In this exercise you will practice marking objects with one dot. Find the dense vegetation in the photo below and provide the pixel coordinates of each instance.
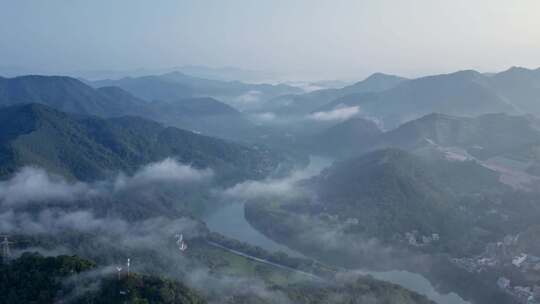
(391, 192)
(33, 278)
(89, 148)
(141, 289)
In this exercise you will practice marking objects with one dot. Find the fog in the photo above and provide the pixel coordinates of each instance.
(32, 184)
(338, 114)
(166, 171)
(45, 191)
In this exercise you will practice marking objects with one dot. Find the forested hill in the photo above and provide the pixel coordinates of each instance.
(88, 148)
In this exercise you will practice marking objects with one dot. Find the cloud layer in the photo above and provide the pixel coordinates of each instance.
(337, 114)
(276, 187)
(166, 171)
(32, 184)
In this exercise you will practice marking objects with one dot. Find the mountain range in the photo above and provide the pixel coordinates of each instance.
(205, 115)
(305, 103)
(428, 171)
(483, 137)
(465, 93)
(69, 95)
(175, 85)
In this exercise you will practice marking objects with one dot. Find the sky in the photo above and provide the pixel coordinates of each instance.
(317, 39)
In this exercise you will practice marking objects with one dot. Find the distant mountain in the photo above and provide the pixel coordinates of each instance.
(89, 148)
(305, 103)
(218, 73)
(203, 115)
(466, 93)
(377, 82)
(226, 73)
(519, 86)
(149, 88)
(199, 106)
(14, 71)
(175, 85)
(489, 139)
(483, 137)
(68, 95)
(345, 138)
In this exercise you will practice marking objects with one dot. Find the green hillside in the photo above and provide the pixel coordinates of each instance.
(88, 148)
(33, 278)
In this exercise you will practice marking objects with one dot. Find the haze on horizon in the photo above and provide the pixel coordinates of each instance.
(313, 39)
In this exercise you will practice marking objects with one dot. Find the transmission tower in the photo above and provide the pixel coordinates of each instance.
(6, 251)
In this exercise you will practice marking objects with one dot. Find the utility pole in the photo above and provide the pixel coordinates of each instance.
(128, 264)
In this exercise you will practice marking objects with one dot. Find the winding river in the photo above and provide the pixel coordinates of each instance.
(229, 220)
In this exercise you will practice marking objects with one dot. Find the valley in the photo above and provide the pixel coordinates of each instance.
(269, 152)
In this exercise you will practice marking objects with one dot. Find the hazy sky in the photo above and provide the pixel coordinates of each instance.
(319, 38)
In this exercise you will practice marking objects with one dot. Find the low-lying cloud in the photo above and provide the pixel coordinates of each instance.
(266, 188)
(338, 114)
(264, 117)
(35, 184)
(276, 187)
(250, 100)
(32, 184)
(35, 202)
(52, 221)
(166, 171)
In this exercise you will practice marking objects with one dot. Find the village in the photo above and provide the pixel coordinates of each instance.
(519, 271)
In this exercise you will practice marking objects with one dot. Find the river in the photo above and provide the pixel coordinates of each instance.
(229, 220)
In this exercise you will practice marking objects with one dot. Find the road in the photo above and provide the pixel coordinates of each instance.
(266, 262)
